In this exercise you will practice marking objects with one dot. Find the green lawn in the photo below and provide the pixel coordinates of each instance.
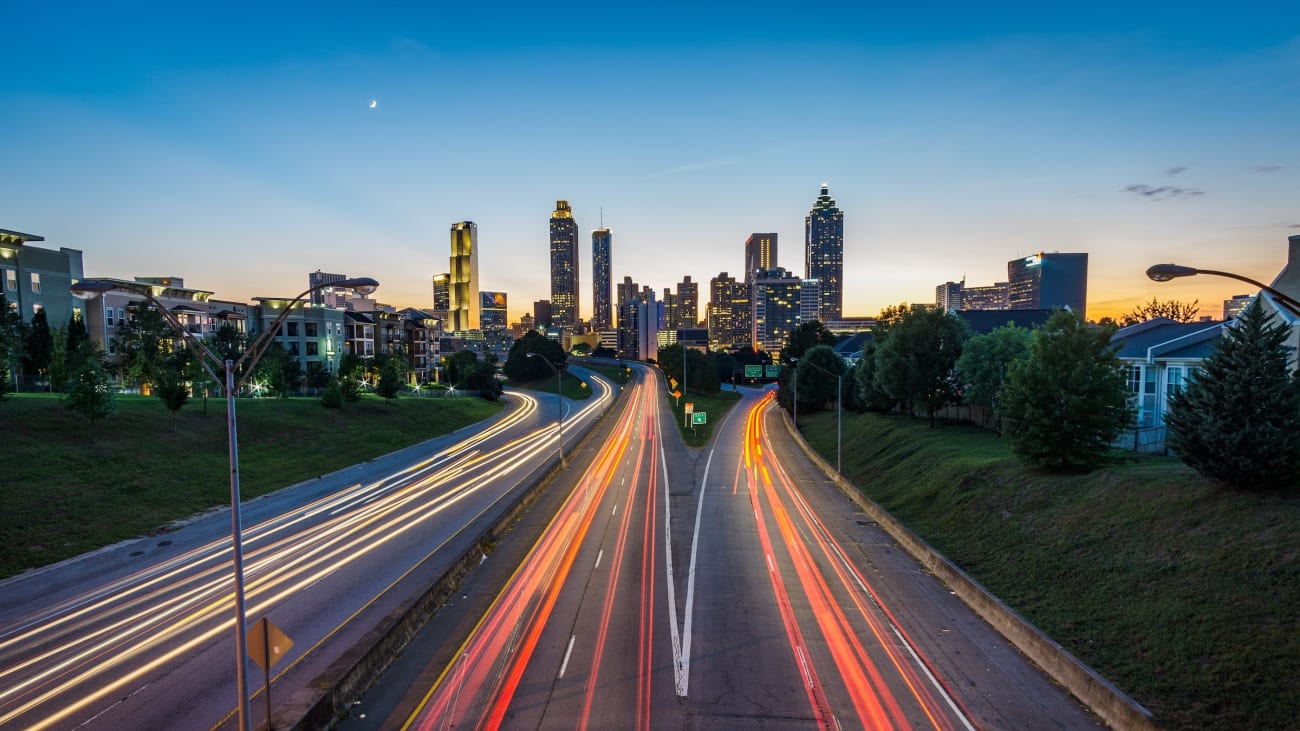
(64, 495)
(1184, 594)
(571, 386)
(715, 407)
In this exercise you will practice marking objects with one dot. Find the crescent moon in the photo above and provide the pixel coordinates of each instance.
(373, 103)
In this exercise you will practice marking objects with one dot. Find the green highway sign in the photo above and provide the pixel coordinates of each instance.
(773, 371)
(699, 417)
(753, 371)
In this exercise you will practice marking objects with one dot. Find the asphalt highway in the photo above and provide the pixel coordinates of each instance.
(732, 587)
(140, 635)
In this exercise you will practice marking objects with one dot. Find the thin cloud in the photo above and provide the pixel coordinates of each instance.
(691, 167)
(1162, 192)
(1268, 168)
(1175, 170)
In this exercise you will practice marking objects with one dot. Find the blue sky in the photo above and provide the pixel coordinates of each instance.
(234, 145)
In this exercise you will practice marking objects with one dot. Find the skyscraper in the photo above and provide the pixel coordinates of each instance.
(602, 314)
(824, 254)
(760, 254)
(492, 311)
(722, 291)
(442, 297)
(1048, 281)
(564, 267)
(463, 289)
(776, 308)
(688, 304)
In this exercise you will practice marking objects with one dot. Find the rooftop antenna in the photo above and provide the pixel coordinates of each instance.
(602, 217)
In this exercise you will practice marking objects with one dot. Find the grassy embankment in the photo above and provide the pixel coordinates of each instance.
(571, 387)
(63, 495)
(1184, 594)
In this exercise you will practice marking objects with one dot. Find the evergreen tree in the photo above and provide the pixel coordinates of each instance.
(38, 345)
(318, 376)
(390, 380)
(91, 392)
(170, 386)
(333, 397)
(11, 346)
(59, 370)
(1238, 419)
(1066, 403)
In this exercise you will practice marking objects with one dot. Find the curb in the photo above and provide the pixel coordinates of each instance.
(1098, 694)
(329, 695)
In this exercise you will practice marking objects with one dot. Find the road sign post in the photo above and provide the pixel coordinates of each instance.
(267, 645)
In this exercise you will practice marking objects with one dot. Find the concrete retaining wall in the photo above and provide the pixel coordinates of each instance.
(1107, 701)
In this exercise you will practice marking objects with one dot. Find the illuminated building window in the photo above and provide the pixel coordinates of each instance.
(36, 283)
(11, 279)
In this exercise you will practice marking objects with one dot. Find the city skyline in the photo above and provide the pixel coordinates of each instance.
(240, 155)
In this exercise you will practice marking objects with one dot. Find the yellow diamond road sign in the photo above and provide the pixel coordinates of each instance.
(267, 645)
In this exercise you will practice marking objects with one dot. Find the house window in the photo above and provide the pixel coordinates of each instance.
(312, 348)
(11, 279)
(108, 316)
(309, 329)
(1175, 379)
(1142, 383)
(36, 283)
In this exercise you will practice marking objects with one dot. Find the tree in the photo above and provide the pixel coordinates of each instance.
(11, 346)
(1172, 309)
(390, 380)
(484, 379)
(333, 397)
(145, 341)
(76, 333)
(1238, 419)
(816, 389)
(58, 369)
(318, 376)
(701, 372)
(38, 345)
(1066, 403)
(867, 390)
(984, 360)
(170, 385)
(521, 368)
(915, 362)
(91, 392)
(807, 335)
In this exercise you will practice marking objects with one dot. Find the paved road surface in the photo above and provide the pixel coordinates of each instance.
(140, 635)
(729, 588)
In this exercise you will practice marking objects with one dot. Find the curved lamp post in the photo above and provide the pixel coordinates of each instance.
(559, 401)
(839, 406)
(1166, 272)
(89, 289)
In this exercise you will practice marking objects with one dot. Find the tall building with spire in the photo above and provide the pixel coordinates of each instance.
(602, 313)
(824, 254)
(462, 290)
(564, 267)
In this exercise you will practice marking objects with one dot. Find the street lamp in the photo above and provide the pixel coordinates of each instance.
(559, 402)
(89, 289)
(839, 407)
(1166, 272)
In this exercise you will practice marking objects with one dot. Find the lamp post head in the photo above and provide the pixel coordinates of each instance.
(1166, 272)
(89, 289)
(361, 285)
